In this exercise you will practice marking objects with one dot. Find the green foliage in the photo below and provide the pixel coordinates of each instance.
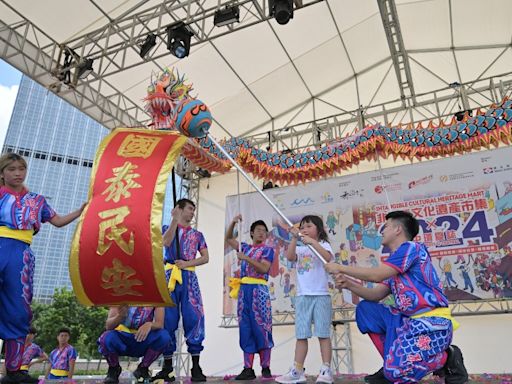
(86, 324)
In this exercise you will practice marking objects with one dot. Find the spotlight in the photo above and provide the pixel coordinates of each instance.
(226, 16)
(460, 115)
(84, 68)
(149, 43)
(281, 10)
(203, 172)
(269, 185)
(178, 39)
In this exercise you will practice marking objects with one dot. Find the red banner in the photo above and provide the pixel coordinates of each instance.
(116, 254)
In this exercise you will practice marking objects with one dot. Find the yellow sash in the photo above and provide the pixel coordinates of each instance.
(235, 282)
(439, 312)
(24, 235)
(176, 276)
(24, 368)
(124, 328)
(59, 372)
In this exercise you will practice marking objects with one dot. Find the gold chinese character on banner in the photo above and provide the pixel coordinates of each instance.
(111, 229)
(118, 278)
(122, 182)
(138, 146)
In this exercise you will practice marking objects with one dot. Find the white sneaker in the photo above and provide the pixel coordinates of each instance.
(325, 375)
(293, 376)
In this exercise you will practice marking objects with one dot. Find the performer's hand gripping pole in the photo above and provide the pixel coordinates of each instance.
(256, 187)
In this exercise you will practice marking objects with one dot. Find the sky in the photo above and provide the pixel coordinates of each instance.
(9, 84)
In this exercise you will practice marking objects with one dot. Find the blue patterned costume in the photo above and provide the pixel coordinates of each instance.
(59, 360)
(187, 295)
(412, 344)
(254, 309)
(121, 341)
(21, 215)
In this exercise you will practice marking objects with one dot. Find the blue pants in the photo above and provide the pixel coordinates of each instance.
(187, 297)
(124, 343)
(254, 318)
(412, 348)
(16, 283)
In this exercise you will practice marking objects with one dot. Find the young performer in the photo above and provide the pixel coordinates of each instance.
(135, 332)
(32, 351)
(62, 359)
(21, 215)
(313, 302)
(184, 287)
(414, 336)
(254, 309)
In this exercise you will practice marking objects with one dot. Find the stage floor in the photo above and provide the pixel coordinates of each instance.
(340, 379)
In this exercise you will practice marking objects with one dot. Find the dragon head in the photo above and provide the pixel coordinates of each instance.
(164, 94)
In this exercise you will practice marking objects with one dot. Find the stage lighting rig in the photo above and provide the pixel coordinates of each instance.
(178, 39)
(281, 10)
(226, 16)
(147, 45)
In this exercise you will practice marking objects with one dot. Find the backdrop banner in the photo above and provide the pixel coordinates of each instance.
(116, 254)
(464, 205)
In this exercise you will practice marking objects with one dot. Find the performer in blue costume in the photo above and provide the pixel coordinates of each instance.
(32, 351)
(21, 215)
(414, 336)
(184, 287)
(135, 332)
(254, 309)
(62, 359)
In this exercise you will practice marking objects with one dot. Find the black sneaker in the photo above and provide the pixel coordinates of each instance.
(197, 374)
(18, 377)
(454, 370)
(246, 374)
(377, 378)
(265, 373)
(166, 374)
(112, 375)
(141, 374)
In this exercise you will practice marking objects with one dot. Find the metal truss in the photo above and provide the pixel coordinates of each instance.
(347, 314)
(99, 99)
(341, 347)
(342, 317)
(112, 43)
(181, 357)
(441, 104)
(115, 48)
(399, 55)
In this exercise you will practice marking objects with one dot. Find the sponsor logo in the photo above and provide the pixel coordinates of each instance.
(423, 180)
(388, 188)
(344, 184)
(384, 177)
(352, 193)
(497, 169)
(456, 176)
(302, 202)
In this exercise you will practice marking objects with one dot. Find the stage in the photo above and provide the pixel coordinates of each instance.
(505, 378)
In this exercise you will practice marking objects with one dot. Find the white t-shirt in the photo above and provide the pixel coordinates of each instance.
(312, 279)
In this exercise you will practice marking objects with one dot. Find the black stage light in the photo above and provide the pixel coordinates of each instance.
(281, 10)
(203, 172)
(147, 45)
(84, 68)
(226, 16)
(178, 39)
(460, 115)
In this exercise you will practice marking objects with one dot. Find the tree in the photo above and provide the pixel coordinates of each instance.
(86, 324)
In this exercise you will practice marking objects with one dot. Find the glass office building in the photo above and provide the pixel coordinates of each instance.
(59, 143)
